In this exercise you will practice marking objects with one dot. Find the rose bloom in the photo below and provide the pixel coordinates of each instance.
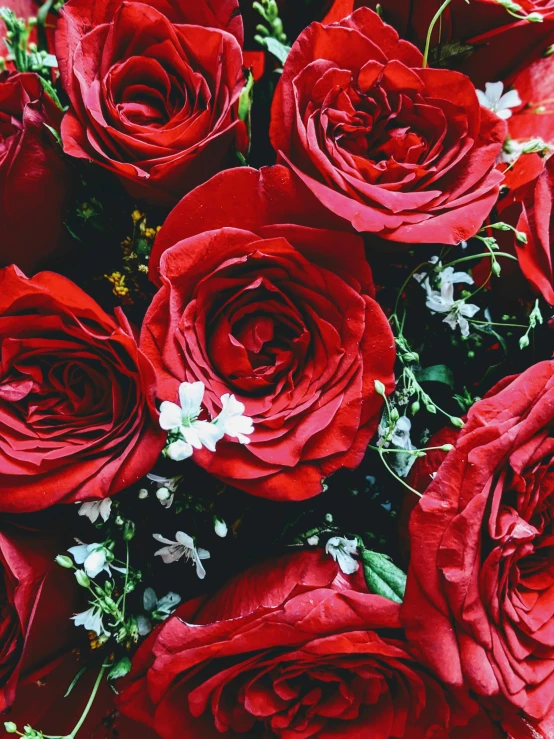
(34, 179)
(36, 602)
(154, 90)
(482, 40)
(77, 413)
(399, 151)
(479, 603)
(282, 316)
(292, 648)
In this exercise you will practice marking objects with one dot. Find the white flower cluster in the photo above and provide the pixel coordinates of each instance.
(442, 300)
(187, 432)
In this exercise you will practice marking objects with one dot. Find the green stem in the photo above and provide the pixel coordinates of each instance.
(480, 256)
(400, 480)
(436, 17)
(502, 325)
(89, 704)
(126, 578)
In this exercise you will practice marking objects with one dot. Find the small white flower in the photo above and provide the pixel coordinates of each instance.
(313, 541)
(184, 419)
(499, 103)
(184, 546)
(401, 440)
(220, 527)
(143, 494)
(342, 551)
(165, 497)
(443, 302)
(93, 557)
(95, 509)
(231, 420)
(91, 620)
(173, 416)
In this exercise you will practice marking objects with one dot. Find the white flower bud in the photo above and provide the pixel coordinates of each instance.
(313, 541)
(162, 494)
(220, 527)
(143, 494)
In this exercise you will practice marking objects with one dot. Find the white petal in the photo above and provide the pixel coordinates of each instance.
(91, 510)
(190, 397)
(184, 540)
(79, 553)
(493, 91)
(95, 563)
(168, 603)
(510, 99)
(191, 436)
(203, 553)
(469, 309)
(464, 326)
(483, 100)
(452, 320)
(200, 571)
(347, 563)
(105, 508)
(208, 434)
(162, 539)
(170, 554)
(170, 416)
(179, 450)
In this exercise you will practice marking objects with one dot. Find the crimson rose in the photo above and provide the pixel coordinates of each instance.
(290, 649)
(36, 602)
(77, 414)
(154, 90)
(34, 179)
(481, 39)
(399, 151)
(479, 601)
(282, 316)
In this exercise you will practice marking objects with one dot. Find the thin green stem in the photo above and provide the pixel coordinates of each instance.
(502, 325)
(436, 17)
(89, 704)
(480, 256)
(400, 480)
(126, 578)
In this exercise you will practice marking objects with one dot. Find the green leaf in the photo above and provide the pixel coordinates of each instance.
(382, 576)
(55, 134)
(277, 49)
(49, 88)
(436, 373)
(120, 669)
(450, 53)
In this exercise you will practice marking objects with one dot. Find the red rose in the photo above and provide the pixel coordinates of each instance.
(399, 151)
(77, 415)
(154, 90)
(36, 601)
(480, 39)
(292, 649)
(34, 179)
(479, 601)
(282, 316)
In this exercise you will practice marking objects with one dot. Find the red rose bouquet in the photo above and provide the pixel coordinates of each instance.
(276, 369)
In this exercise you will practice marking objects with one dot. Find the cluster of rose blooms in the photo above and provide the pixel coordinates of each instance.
(266, 358)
